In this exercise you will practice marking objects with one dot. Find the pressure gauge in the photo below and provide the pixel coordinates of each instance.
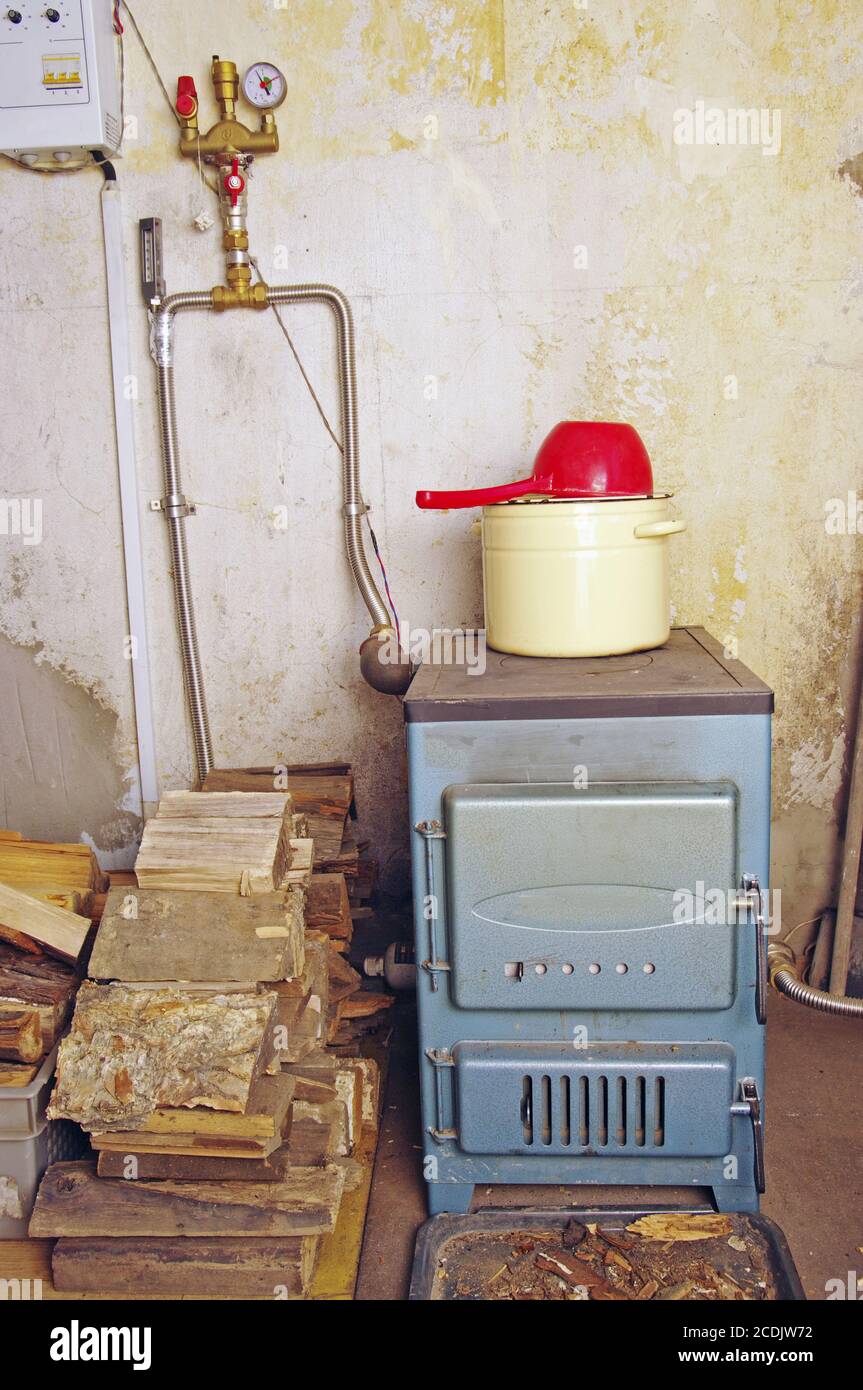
(264, 86)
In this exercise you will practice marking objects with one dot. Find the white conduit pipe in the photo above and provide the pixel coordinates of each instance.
(123, 380)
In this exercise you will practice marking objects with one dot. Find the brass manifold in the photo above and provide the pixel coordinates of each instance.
(230, 146)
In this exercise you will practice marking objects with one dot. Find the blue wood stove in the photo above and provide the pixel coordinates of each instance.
(590, 858)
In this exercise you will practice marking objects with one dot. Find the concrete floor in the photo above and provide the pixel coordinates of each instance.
(814, 1135)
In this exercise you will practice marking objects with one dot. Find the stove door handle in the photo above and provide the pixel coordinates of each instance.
(750, 1104)
(755, 899)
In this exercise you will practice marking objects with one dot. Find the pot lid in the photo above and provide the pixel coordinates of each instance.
(579, 458)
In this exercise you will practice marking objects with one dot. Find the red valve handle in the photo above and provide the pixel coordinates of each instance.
(234, 183)
(187, 97)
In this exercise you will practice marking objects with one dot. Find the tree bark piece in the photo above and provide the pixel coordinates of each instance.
(207, 1266)
(72, 1201)
(131, 1050)
(149, 934)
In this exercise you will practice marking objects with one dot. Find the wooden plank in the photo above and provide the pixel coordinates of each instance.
(131, 1050)
(264, 1117)
(183, 805)
(220, 855)
(72, 1201)
(25, 862)
(60, 932)
(325, 789)
(201, 1145)
(197, 1167)
(154, 934)
(20, 1036)
(204, 1266)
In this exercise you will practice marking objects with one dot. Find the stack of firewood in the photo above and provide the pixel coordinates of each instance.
(48, 894)
(196, 1062)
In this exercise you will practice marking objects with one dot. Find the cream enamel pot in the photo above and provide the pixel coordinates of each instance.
(582, 578)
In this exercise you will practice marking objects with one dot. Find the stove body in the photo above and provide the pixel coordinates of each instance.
(589, 838)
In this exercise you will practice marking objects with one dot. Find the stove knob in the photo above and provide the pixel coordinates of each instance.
(52, 16)
(13, 16)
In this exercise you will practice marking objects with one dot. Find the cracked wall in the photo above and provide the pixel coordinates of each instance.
(498, 189)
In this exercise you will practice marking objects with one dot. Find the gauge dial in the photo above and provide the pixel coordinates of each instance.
(264, 86)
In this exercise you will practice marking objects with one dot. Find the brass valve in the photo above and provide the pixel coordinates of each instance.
(228, 137)
(231, 146)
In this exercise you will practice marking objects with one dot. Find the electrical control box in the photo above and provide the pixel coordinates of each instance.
(60, 91)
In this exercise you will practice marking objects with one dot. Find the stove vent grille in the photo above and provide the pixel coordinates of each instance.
(577, 1111)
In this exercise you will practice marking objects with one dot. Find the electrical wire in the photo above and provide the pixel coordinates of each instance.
(151, 60)
(333, 436)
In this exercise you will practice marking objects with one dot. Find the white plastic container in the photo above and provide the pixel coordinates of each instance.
(22, 1108)
(584, 578)
(28, 1143)
(23, 1162)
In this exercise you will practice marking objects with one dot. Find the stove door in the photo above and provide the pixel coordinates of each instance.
(644, 1099)
(612, 897)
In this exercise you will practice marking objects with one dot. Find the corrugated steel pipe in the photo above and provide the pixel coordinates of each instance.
(175, 507)
(382, 663)
(384, 667)
(785, 976)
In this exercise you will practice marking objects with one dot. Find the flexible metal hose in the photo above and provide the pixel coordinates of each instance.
(785, 976)
(354, 507)
(175, 512)
(175, 506)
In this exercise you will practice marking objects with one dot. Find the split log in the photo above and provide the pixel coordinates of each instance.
(196, 1167)
(128, 1142)
(328, 907)
(208, 1267)
(153, 934)
(72, 1201)
(17, 1074)
(20, 1036)
(131, 1050)
(192, 805)
(300, 870)
(24, 863)
(228, 854)
(60, 932)
(264, 1117)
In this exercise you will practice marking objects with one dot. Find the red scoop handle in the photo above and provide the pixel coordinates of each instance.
(481, 496)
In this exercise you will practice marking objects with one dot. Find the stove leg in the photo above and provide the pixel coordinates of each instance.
(449, 1196)
(732, 1196)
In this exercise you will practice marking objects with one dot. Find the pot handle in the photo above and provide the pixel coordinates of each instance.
(651, 529)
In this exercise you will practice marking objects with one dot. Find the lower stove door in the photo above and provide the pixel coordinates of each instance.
(624, 1099)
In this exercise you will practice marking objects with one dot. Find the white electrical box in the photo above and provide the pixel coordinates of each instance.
(59, 82)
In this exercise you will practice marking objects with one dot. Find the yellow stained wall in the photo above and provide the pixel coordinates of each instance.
(499, 189)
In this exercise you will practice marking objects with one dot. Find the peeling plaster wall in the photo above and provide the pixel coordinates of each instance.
(498, 189)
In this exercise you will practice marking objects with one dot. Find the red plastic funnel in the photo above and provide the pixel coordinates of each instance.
(580, 458)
